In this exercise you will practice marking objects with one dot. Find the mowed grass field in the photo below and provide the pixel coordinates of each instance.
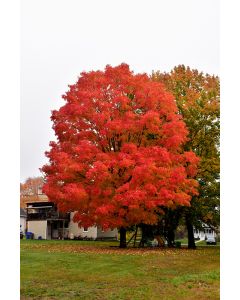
(95, 270)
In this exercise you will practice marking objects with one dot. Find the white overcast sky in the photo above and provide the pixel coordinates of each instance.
(60, 39)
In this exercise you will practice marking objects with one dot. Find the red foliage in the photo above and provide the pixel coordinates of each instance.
(119, 159)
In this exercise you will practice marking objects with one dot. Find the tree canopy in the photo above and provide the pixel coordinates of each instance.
(198, 99)
(119, 156)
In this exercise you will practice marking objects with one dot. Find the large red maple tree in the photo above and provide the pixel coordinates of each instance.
(118, 159)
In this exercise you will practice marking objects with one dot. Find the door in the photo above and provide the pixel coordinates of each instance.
(49, 231)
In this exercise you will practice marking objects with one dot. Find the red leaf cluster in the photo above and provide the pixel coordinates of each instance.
(119, 157)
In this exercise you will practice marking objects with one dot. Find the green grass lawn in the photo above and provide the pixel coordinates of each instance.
(94, 270)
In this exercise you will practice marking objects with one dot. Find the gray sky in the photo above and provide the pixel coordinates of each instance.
(60, 39)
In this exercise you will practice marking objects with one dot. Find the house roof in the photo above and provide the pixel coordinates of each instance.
(39, 204)
(22, 212)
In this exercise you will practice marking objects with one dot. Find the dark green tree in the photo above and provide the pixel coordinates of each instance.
(198, 99)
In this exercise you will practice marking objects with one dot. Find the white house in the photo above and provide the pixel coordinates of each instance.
(205, 233)
(45, 222)
(23, 220)
(90, 232)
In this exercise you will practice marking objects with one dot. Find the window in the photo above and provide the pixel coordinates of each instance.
(85, 229)
(66, 225)
(55, 225)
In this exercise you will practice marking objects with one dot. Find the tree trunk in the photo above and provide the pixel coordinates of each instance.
(191, 241)
(170, 238)
(147, 234)
(123, 240)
